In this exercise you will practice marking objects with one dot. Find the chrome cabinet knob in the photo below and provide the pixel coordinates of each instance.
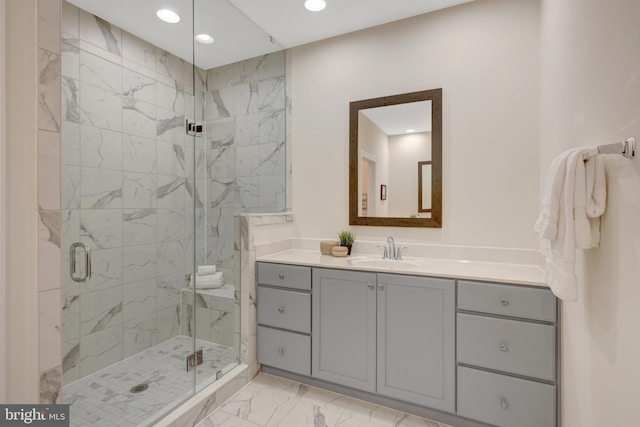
(281, 276)
(280, 310)
(371, 286)
(281, 351)
(504, 403)
(381, 287)
(504, 301)
(504, 347)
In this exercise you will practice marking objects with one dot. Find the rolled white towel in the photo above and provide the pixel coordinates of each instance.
(211, 281)
(204, 270)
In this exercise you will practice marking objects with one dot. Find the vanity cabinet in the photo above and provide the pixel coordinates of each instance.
(344, 328)
(284, 317)
(387, 334)
(506, 338)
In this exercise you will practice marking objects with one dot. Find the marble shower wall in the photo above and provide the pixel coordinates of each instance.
(127, 190)
(246, 107)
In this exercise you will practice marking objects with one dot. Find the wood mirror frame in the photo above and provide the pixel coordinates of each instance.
(433, 95)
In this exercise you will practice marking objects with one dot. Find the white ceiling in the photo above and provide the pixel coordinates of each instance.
(396, 119)
(244, 29)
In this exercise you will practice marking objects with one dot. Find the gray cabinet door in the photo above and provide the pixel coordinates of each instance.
(343, 338)
(416, 340)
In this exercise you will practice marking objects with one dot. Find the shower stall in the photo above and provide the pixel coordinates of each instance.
(161, 152)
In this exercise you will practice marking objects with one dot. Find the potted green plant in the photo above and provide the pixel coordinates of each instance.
(347, 238)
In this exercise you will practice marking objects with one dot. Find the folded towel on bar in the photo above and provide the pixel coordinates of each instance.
(204, 270)
(574, 199)
(211, 281)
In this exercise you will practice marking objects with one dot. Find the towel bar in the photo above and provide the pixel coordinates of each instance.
(627, 148)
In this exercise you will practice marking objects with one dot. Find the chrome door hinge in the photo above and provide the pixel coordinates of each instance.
(194, 128)
(194, 359)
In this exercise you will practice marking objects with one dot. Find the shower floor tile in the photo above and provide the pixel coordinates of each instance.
(104, 398)
(270, 401)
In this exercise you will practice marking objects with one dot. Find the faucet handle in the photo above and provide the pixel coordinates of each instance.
(399, 251)
(385, 254)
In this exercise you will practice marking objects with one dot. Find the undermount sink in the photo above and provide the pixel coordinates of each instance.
(390, 264)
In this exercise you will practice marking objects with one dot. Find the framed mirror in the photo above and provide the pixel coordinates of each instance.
(395, 160)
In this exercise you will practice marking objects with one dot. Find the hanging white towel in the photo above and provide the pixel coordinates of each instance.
(574, 199)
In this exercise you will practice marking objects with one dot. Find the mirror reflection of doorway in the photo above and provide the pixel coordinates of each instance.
(368, 204)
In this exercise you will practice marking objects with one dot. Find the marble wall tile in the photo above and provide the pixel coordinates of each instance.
(51, 386)
(71, 360)
(49, 253)
(220, 103)
(70, 20)
(100, 310)
(140, 263)
(100, 107)
(171, 224)
(220, 222)
(171, 159)
(140, 334)
(106, 267)
(139, 190)
(170, 126)
(272, 126)
(138, 118)
(221, 193)
(168, 323)
(49, 162)
(245, 98)
(49, 329)
(100, 33)
(248, 191)
(138, 227)
(247, 129)
(139, 154)
(70, 232)
(70, 183)
(100, 349)
(49, 25)
(139, 51)
(171, 192)
(272, 193)
(71, 318)
(221, 163)
(139, 300)
(101, 148)
(169, 290)
(100, 188)
(171, 257)
(49, 109)
(138, 86)
(272, 159)
(101, 228)
(272, 65)
(170, 69)
(170, 98)
(70, 150)
(271, 94)
(70, 99)
(101, 73)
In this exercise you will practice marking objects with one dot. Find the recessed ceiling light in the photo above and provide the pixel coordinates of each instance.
(315, 5)
(204, 39)
(410, 130)
(168, 16)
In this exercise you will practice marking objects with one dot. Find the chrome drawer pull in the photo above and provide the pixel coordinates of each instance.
(281, 276)
(380, 287)
(504, 301)
(504, 347)
(504, 403)
(281, 351)
(281, 310)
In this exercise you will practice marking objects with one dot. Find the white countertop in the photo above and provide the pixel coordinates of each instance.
(524, 274)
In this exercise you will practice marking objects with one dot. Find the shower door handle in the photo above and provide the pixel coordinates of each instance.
(73, 264)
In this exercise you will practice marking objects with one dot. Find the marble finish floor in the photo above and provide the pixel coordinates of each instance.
(270, 401)
(103, 399)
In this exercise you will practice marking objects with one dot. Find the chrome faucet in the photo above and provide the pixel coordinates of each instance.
(391, 244)
(391, 251)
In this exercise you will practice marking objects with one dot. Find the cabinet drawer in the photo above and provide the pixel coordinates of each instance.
(284, 309)
(286, 276)
(505, 401)
(512, 346)
(517, 301)
(284, 350)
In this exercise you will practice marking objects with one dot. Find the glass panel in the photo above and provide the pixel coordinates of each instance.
(129, 194)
